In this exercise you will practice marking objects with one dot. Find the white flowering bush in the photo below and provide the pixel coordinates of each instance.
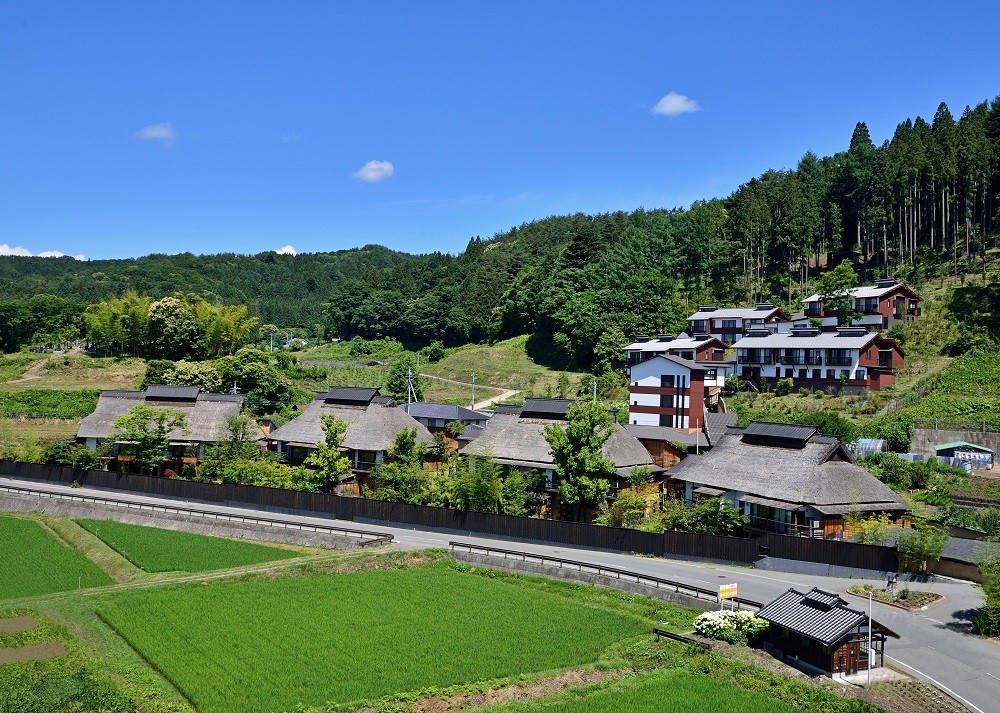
(736, 627)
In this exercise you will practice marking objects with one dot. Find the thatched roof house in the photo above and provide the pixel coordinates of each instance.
(787, 478)
(206, 414)
(373, 423)
(515, 436)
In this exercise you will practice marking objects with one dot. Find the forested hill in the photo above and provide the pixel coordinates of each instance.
(923, 203)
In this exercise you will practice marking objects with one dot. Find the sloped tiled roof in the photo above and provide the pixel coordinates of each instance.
(820, 615)
(371, 427)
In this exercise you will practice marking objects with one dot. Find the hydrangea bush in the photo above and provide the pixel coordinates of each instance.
(736, 627)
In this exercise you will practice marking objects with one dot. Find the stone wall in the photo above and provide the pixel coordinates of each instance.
(598, 580)
(15, 502)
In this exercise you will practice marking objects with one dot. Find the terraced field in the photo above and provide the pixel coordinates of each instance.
(157, 550)
(33, 562)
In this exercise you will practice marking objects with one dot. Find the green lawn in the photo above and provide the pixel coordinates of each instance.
(32, 562)
(355, 637)
(156, 550)
(670, 691)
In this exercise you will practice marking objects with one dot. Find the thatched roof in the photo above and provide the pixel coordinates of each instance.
(521, 441)
(206, 414)
(371, 427)
(821, 473)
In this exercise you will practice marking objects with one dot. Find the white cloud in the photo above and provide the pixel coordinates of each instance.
(19, 251)
(673, 104)
(288, 138)
(287, 250)
(374, 171)
(164, 133)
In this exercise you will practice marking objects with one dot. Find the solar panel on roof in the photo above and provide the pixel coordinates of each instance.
(350, 395)
(784, 431)
(545, 408)
(172, 393)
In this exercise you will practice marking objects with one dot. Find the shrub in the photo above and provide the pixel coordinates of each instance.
(735, 627)
(783, 387)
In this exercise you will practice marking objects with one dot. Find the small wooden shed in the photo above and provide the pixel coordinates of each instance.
(818, 629)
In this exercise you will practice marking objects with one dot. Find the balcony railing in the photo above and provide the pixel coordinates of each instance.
(803, 360)
(839, 361)
(756, 359)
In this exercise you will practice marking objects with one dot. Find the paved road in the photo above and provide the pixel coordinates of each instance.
(932, 644)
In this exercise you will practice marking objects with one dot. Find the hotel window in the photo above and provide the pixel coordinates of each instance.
(667, 381)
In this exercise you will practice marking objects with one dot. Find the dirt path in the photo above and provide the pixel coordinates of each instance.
(493, 399)
(32, 373)
(485, 403)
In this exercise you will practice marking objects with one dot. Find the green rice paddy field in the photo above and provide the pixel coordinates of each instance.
(343, 639)
(670, 691)
(156, 550)
(33, 562)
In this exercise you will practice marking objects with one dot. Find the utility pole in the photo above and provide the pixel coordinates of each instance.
(595, 389)
(411, 392)
(473, 391)
(869, 637)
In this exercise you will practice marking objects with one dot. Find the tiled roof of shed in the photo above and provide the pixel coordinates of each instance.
(819, 615)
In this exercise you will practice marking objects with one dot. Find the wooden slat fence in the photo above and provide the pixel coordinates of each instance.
(729, 549)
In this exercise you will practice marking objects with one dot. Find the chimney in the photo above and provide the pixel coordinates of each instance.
(805, 331)
(642, 338)
(664, 337)
(851, 331)
(758, 333)
(763, 307)
(707, 308)
(885, 282)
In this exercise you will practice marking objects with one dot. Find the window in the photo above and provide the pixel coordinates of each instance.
(831, 373)
(667, 381)
(697, 325)
(860, 374)
(803, 373)
(687, 355)
(817, 373)
(666, 402)
(789, 373)
(666, 420)
(845, 374)
(729, 323)
(366, 456)
(710, 374)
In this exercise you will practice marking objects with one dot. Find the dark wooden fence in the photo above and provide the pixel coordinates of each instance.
(846, 554)
(712, 547)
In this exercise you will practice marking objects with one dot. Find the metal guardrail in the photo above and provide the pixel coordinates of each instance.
(683, 639)
(367, 538)
(623, 574)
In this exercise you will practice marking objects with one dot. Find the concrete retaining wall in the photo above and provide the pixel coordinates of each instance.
(598, 580)
(924, 439)
(12, 502)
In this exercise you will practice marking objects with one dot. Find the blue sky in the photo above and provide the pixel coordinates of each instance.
(133, 128)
